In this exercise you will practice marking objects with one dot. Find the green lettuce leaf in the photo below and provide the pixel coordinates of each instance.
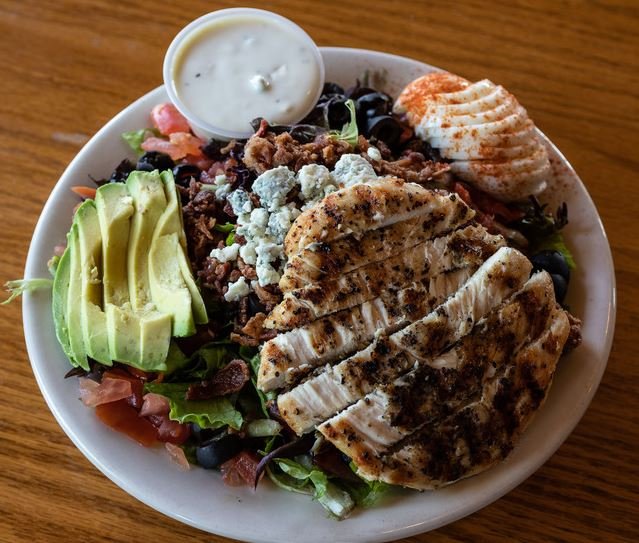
(18, 287)
(301, 476)
(213, 413)
(202, 364)
(349, 132)
(134, 139)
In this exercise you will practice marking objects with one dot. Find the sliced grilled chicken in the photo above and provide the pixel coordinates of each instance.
(349, 253)
(461, 248)
(444, 383)
(483, 432)
(360, 208)
(386, 358)
(287, 355)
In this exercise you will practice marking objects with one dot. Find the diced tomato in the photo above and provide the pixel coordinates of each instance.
(154, 404)
(180, 144)
(167, 119)
(171, 431)
(137, 386)
(85, 193)
(177, 455)
(123, 418)
(109, 390)
(241, 469)
(162, 146)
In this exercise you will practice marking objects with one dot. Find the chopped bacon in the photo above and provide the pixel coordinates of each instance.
(176, 453)
(230, 379)
(123, 418)
(241, 469)
(154, 404)
(109, 390)
(167, 119)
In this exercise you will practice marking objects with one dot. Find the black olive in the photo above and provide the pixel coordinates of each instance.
(154, 160)
(356, 92)
(122, 171)
(200, 435)
(384, 128)
(217, 450)
(255, 306)
(552, 262)
(561, 286)
(373, 105)
(212, 149)
(337, 113)
(332, 88)
(184, 172)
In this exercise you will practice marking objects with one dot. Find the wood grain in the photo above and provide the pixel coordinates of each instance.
(68, 66)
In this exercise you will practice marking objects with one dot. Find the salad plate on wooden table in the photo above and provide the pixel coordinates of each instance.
(199, 498)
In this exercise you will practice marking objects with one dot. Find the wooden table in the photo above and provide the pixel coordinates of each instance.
(68, 66)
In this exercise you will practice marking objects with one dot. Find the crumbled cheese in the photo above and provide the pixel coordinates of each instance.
(253, 225)
(267, 253)
(223, 186)
(248, 254)
(240, 202)
(352, 169)
(273, 186)
(315, 182)
(373, 153)
(279, 223)
(226, 254)
(237, 290)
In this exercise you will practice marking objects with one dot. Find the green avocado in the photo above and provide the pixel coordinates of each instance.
(168, 289)
(93, 319)
(115, 209)
(59, 305)
(170, 223)
(74, 295)
(149, 201)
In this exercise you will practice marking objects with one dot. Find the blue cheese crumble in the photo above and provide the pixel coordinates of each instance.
(240, 202)
(273, 186)
(237, 290)
(352, 169)
(226, 254)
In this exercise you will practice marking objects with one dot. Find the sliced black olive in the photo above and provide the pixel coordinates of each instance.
(552, 262)
(373, 105)
(255, 306)
(357, 91)
(212, 148)
(122, 171)
(337, 113)
(200, 435)
(184, 172)
(218, 450)
(561, 286)
(154, 160)
(384, 128)
(332, 88)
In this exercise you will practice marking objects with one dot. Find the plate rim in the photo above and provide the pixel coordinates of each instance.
(34, 260)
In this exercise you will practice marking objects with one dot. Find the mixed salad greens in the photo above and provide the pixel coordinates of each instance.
(201, 400)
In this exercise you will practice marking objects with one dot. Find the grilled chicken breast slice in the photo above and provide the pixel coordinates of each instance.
(483, 432)
(461, 248)
(443, 384)
(360, 208)
(317, 399)
(286, 356)
(321, 259)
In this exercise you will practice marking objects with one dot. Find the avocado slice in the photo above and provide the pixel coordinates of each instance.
(142, 339)
(74, 296)
(172, 222)
(149, 201)
(93, 319)
(59, 305)
(168, 289)
(115, 209)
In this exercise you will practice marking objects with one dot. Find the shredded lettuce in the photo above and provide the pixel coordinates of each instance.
(263, 428)
(202, 364)
(213, 413)
(349, 132)
(301, 476)
(18, 287)
(365, 493)
(226, 228)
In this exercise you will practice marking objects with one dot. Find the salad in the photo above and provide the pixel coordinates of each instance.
(187, 376)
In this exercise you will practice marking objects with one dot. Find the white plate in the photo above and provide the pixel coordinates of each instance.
(198, 497)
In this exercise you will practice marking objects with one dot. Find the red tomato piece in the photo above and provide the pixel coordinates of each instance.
(171, 431)
(241, 469)
(137, 385)
(123, 418)
(167, 119)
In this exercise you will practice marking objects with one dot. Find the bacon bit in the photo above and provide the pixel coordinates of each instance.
(109, 390)
(154, 404)
(230, 379)
(86, 193)
(263, 129)
(167, 119)
(241, 469)
(176, 453)
(123, 418)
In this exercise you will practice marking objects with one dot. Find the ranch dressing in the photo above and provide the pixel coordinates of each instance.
(231, 70)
